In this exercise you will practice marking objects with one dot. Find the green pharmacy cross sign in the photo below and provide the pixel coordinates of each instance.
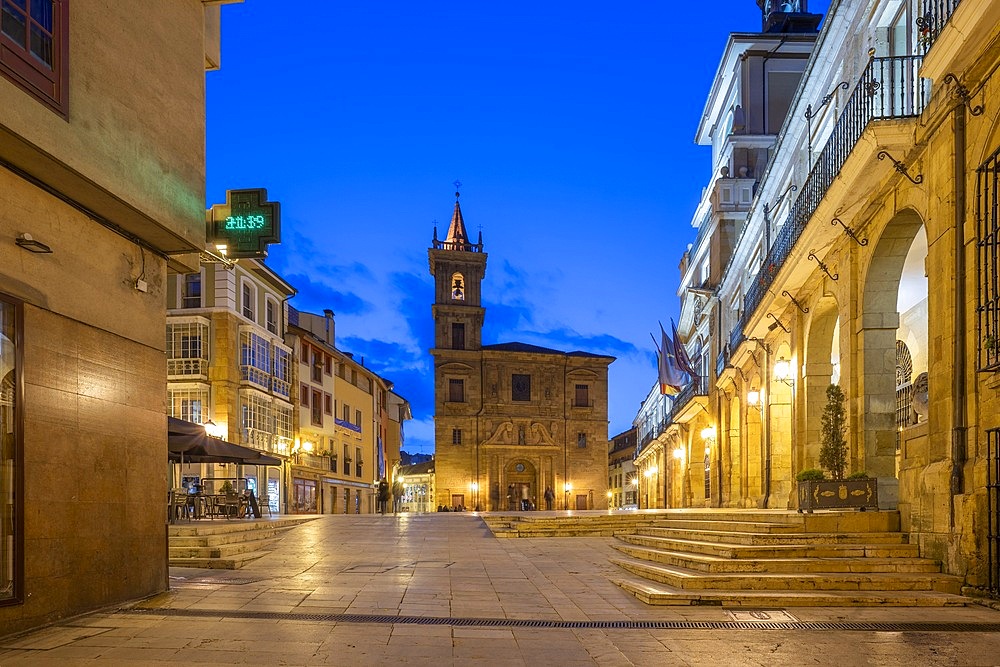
(246, 224)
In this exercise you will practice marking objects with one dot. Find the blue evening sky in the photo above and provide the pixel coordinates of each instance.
(569, 124)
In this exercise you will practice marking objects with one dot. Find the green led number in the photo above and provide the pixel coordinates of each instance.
(245, 222)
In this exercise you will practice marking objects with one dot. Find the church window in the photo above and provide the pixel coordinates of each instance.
(458, 287)
(456, 391)
(458, 336)
(456, 436)
(520, 387)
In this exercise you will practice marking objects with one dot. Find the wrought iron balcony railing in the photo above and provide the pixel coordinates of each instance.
(934, 16)
(889, 88)
(697, 387)
(722, 360)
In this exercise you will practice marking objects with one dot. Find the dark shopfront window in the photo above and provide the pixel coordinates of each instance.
(11, 474)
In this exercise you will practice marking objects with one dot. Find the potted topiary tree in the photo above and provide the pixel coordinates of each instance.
(817, 492)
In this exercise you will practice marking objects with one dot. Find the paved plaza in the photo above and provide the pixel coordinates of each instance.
(439, 589)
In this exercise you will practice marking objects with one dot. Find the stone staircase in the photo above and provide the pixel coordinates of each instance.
(754, 558)
(226, 545)
(550, 524)
(772, 559)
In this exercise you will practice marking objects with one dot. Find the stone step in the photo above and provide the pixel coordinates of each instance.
(684, 578)
(741, 551)
(766, 527)
(716, 564)
(659, 594)
(233, 562)
(223, 526)
(221, 550)
(216, 539)
(736, 537)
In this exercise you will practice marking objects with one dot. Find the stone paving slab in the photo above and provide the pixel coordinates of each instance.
(438, 589)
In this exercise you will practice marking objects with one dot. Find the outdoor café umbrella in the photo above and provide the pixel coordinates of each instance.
(188, 443)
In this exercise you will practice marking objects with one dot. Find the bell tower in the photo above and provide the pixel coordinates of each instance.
(458, 267)
(788, 16)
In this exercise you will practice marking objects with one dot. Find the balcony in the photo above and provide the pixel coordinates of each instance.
(934, 16)
(691, 396)
(889, 88)
(188, 369)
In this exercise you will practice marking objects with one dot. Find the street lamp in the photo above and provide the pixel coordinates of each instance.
(214, 430)
(783, 371)
(754, 398)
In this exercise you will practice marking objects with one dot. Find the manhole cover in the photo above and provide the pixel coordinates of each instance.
(761, 615)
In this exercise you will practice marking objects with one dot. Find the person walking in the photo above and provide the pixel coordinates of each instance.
(383, 496)
(550, 496)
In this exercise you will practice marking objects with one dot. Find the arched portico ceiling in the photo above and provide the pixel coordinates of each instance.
(883, 278)
(820, 327)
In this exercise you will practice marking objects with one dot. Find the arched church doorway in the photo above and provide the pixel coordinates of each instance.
(522, 485)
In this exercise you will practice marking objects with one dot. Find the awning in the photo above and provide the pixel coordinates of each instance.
(189, 443)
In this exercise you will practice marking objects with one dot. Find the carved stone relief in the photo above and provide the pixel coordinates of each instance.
(523, 432)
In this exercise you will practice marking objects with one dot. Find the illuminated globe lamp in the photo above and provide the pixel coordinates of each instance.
(754, 398)
(708, 436)
(783, 371)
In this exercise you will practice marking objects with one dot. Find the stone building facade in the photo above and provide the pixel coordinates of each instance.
(344, 415)
(622, 483)
(102, 173)
(867, 257)
(228, 366)
(511, 420)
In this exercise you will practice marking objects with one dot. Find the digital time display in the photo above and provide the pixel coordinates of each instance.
(246, 224)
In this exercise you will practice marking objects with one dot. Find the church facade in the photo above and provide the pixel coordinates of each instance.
(517, 426)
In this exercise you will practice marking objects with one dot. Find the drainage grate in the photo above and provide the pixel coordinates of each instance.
(835, 626)
(180, 581)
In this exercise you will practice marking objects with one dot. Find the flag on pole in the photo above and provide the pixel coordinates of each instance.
(680, 353)
(671, 378)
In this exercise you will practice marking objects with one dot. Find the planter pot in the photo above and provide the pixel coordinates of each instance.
(828, 494)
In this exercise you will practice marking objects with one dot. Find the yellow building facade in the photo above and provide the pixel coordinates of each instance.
(866, 256)
(512, 420)
(228, 366)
